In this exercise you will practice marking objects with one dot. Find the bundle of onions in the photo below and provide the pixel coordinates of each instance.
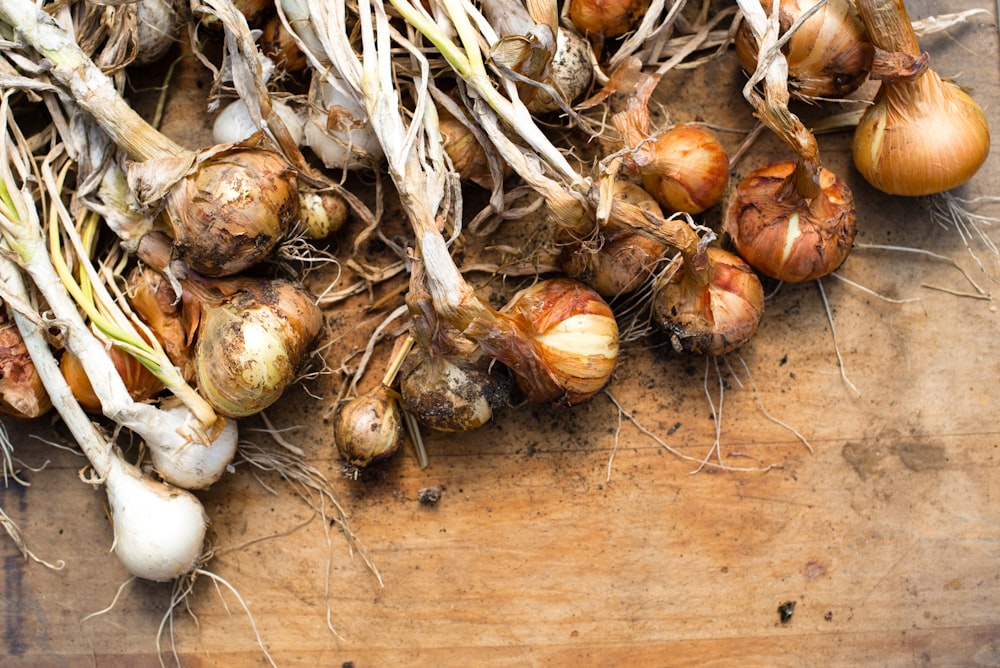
(793, 221)
(921, 135)
(159, 530)
(828, 54)
(226, 207)
(575, 205)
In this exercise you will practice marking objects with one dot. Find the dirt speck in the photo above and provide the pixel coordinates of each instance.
(785, 611)
(430, 496)
(863, 458)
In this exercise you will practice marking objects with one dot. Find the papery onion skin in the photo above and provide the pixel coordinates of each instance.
(921, 137)
(619, 260)
(712, 318)
(828, 57)
(173, 321)
(782, 235)
(22, 394)
(232, 209)
(368, 428)
(448, 395)
(689, 169)
(250, 347)
(607, 18)
(559, 338)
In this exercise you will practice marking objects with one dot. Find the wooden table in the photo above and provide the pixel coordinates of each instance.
(573, 537)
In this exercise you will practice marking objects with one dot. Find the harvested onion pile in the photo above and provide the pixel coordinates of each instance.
(212, 309)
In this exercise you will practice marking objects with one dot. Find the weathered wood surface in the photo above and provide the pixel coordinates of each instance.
(552, 545)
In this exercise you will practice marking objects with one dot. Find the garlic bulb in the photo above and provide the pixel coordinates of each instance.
(251, 346)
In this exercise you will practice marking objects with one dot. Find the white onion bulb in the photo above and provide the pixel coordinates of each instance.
(233, 124)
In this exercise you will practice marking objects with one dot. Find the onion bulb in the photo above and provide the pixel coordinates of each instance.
(251, 345)
(232, 207)
(685, 168)
(564, 344)
(828, 56)
(921, 135)
(710, 317)
(606, 18)
(368, 428)
(278, 44)
(156, 29)
(620, 259)
(181, 455)
(337, 130)
(467, 155)
(322, 212)
(159, 530)
(447, 393)
(22, 394)
(570, 73)
(785, 235)
(141, 383)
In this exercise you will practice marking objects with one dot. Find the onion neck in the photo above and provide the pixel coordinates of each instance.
(888, 25)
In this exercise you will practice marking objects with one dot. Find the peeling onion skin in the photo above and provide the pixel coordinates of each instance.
(828, 57)
(232, 209)
(559, 338)
(782, 235)
(22, 394)
(250, 346)
(716, 317)
(921, 137)
(368, 429)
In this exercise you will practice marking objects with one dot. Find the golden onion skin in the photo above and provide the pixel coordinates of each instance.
(607, 18)
(921, 137)
(715, 317)
(829, 56)
(250, 346)
(232, 209)
(782, 235)
(689, 171)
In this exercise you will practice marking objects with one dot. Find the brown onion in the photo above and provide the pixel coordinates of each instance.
(620, 259)
(829, 56)
(685, 168)
(712, 317)
(141, 383)
(559, 338)
(785, 235)
(921, 135)
(368, 428)
(232, 208)
(278, 44)
(22, 394)
(606, 18)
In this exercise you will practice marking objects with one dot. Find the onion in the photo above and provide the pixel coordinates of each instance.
(232, 208)
(280, 46)
(570, 73)
(685, 168)
(558, 337)
(156, 27)
(141, 383)
(173, 321)
(22, 394)
(234, 124)
(921, 135)
(828, 56)
(251, 345)
(321, 213)
(337, 131)
(187, 461)
(788, 236)
(606, 18)
(710, 317)
(467, 155)
(447, 393)
(620, 259)
(368, 428)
